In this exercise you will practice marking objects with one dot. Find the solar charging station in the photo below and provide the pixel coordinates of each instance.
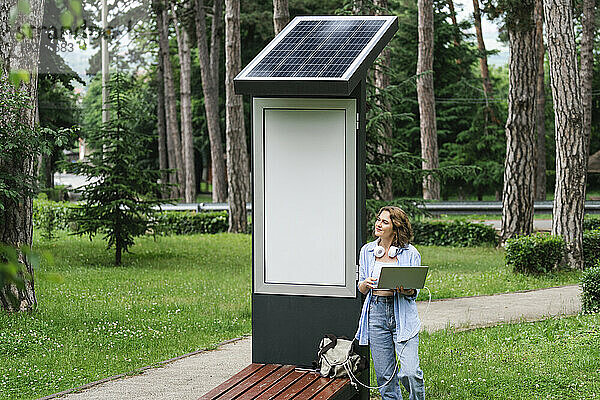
(308, 89)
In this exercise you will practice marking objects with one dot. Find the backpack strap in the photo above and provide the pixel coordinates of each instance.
(329, 346)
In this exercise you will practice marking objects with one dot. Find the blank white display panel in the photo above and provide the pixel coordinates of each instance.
(304, 196)
(304, 205)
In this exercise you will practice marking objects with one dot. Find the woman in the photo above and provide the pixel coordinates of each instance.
(389, 322)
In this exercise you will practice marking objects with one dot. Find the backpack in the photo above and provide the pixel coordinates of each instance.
(338, 354)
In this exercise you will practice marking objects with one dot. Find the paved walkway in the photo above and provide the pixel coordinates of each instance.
(191, 377)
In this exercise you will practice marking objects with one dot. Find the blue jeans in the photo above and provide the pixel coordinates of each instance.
(384, 348)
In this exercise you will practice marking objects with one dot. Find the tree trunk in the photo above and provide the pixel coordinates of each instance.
(426, 98)
(281, 15)
(209, 71)
(519, 168)
(483, 64)
(185, 93)
(238, 172)
(540, 111)
(587, 66)
(173, 141)
(161, 123)
(454, 25)
(571, 144)
(16, 227)
(382, 81)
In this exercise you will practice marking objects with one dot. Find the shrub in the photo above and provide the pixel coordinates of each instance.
(591, 223)
(534, 254)
(50, 216)
(591, 247)
(185, 223)
(454, 233)
(590, 285)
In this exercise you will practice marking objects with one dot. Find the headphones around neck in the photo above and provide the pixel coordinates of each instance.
(380, 251)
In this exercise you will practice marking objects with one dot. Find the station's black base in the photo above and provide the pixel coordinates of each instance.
(288, 329)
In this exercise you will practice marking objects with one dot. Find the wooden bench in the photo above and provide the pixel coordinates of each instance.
(280, 382)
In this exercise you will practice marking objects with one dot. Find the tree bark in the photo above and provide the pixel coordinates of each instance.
(382, 81)
(238, 171)
(587, 66)
(185, 93)
(161, 123)
(540, 111)
(426, 98)
(519, 168)
(281, 15)
(173, 140)
(483, 64)
(571, 141)
(454, 25)
(16, 227)
(209, 71)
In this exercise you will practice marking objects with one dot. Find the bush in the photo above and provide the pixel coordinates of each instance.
(50, 216)
(591, 247)
(591, 223)
(590, 284)
(455, 233)
(534, 254)
(186, 223)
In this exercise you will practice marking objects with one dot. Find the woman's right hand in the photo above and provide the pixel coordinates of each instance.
(367, 284)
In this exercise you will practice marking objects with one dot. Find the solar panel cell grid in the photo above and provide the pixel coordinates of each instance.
(318, 48)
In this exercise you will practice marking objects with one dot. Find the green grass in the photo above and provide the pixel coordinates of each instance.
(471, 271)
(551, 359)
(172, 296)
(478, 217)
(95, 320)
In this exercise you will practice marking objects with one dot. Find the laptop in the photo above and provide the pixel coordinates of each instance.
(399, 276)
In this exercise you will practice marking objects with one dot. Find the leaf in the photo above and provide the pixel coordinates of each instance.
(27, 31)
(76, 7)
(23, 6)
(18, 76)
(67, 19)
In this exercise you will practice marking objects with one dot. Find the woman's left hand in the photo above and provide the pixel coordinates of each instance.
(406, 292)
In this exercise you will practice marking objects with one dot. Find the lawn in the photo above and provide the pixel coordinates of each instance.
(551, 359)
(172, 296)
(471, 271)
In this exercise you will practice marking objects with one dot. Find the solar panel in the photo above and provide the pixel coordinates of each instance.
(320, 48)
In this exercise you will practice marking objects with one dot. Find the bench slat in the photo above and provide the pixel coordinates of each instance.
(249, 382)
(280, 385)
(314, 388)
(263, 385)
(231, 382)
(298, 386)
(336, 386)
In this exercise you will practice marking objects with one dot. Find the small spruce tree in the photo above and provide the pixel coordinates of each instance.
(119, 202)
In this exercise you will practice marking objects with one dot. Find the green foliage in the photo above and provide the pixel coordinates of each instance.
(119, 205)
(19, 143)
(186, 223)
(51, 216)
(590, 285)
(591, 223)
(455, 233)
(591, 247)
(535, 254)
(11, 272)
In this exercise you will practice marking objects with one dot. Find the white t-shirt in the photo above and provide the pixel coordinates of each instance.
(377, 269)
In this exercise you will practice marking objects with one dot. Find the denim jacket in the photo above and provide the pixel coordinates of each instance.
(405, 307)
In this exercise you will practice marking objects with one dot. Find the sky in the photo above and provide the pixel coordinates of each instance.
(78, 58)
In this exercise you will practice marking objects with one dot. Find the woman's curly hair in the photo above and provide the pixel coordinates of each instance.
(403, 232)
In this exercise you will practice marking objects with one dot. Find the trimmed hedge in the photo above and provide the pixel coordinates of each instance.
(187, 223)
(591, 248)
(455, 233)
(590, 285)
(591, 223)
(534, 254)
